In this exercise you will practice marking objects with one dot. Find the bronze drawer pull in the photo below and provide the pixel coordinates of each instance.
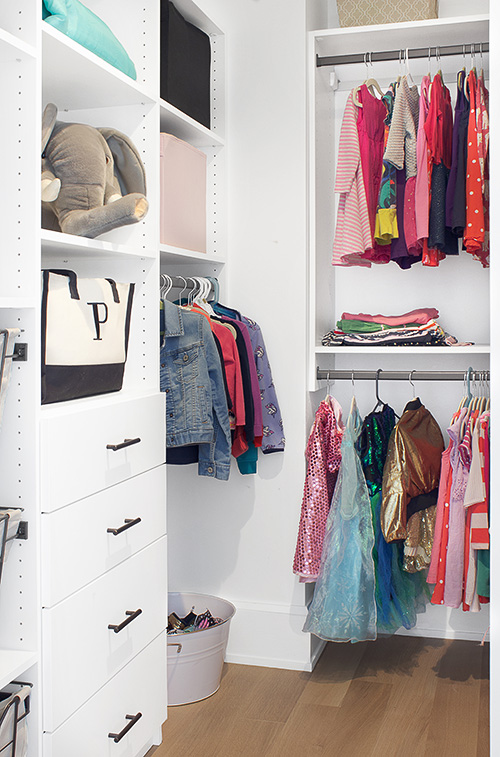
(132, 615)
(129, 522)
(125, 443)
(133, 720)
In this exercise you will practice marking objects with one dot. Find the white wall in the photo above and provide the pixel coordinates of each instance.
(237, 539)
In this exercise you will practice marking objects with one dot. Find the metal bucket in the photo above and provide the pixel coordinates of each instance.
(195, 659)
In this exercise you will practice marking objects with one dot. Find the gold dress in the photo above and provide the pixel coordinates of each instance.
(412, 468)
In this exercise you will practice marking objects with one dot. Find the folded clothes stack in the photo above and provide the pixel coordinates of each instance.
(418, 327)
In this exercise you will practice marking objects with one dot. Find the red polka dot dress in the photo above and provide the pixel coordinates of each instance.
(474, 232)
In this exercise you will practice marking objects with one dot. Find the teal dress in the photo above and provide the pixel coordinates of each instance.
(399, 595)
(343, 607)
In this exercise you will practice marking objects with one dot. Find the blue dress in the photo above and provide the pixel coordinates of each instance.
(343, 607)
(399, 595)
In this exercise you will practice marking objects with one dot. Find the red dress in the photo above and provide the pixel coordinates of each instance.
(371, 133)
(474, 211)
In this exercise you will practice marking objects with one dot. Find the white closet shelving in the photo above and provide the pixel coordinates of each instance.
(458, 288)
(54, 462)
(86, 489)
(384, 288)
(210, 141)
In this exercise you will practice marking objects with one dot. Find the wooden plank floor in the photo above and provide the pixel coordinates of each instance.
(395, 697)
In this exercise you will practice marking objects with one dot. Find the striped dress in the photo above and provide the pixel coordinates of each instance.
(352, 232)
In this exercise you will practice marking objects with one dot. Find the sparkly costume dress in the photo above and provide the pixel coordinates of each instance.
(323, 463)
(399, 595)
(343, 607)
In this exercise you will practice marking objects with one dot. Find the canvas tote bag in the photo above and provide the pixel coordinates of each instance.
(367, 12)
(85, 331)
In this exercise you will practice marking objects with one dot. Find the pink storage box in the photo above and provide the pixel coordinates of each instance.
(183, 194)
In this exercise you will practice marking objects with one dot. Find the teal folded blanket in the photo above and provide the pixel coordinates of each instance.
(75, 20)
(367, 327)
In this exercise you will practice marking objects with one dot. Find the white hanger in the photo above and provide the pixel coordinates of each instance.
(328, 385)
(372, 83)
(183, 288)
(206, 293)
(409, 77)
(192, 293)
(166, 285)
(369, 82)
(202, 293)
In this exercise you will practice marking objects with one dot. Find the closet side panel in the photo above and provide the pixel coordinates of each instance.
(495, 390)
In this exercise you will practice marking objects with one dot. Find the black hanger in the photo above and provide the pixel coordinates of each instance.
(380, 402)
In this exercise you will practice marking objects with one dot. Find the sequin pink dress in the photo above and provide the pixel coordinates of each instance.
(323, 463)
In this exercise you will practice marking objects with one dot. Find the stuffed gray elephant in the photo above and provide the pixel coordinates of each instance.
(101, 174)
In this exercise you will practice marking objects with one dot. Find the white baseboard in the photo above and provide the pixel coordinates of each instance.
(270, 635)
(436, 633)
(267, 662)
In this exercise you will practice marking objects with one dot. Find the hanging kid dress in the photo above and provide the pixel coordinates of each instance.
(399, 595)
(343, 607)
(323, 463)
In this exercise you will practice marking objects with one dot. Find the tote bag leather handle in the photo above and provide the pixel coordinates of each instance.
(73, 283)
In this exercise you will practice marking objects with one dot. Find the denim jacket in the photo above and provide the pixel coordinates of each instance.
(191, 377)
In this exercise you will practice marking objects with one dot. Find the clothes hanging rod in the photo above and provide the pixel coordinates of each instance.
(183, 282)
(343, 375)
(400, 55)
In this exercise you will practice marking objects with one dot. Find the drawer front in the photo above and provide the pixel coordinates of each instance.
(81, 452)
(139, 688)
(83, 541)
(79, 647)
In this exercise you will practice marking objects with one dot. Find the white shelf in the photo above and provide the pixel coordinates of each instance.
(174, 121)
(66, 64)
(74, 246)
(13, 663)
(177, 255)
(437, 31)
(17, 302)
(192, 13)
(473, 349)
(11, 46)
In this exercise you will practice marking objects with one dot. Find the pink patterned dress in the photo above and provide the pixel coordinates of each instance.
(352, 231)
(323, 463)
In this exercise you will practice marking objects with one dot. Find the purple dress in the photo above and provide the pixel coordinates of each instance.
(460, 106)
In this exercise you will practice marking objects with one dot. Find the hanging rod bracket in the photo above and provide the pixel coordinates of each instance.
(20, 353)
(22, 531)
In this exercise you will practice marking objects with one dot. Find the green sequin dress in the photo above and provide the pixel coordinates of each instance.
(399, 595)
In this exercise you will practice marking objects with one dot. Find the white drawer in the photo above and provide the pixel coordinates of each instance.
(78, 542)
(76, 458)
(139, 688)
(80, 652)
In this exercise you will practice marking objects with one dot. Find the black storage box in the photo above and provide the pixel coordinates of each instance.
(185, 65)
